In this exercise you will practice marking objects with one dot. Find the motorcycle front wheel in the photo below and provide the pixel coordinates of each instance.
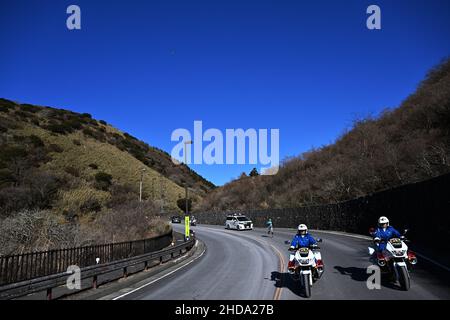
(306, 285)
(403, 278)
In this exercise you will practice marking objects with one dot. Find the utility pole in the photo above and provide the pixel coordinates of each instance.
(185, 184)
(161, 194)
(140, 184)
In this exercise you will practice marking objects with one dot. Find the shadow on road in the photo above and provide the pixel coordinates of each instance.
(360, 274)
(357, 274)
(285, 280)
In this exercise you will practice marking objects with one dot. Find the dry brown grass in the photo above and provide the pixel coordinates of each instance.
(124, 168)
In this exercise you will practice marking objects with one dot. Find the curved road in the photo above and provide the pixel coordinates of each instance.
(250, 265)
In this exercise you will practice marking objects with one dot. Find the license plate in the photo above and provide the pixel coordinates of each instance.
(304, 261)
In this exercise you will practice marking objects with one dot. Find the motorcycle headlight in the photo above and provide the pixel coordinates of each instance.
(381, 263)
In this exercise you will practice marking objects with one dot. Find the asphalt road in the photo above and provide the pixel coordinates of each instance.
(251, 265)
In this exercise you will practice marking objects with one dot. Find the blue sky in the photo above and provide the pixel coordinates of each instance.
(307, 68)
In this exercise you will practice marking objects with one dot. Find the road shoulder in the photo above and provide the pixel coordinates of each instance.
(125, 287)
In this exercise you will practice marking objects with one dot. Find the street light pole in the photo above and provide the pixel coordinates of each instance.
(140, 184)
(185, 184)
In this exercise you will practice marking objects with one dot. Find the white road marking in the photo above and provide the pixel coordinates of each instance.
(167, 274)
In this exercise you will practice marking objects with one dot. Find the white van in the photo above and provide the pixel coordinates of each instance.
(238, 222)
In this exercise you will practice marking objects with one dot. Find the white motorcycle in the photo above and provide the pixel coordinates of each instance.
(395, 259)
(308, 267)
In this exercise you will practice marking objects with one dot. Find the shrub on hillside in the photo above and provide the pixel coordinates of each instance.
(12, 153)
(90, 205)
(93, 166)
(30, 108)
(59, 128)
(181, 203)
(34, 230)
(37, 190)
(22, 114)
(55, 148)
(6, 177)
(103, 180)
(73, 123)
(94, 134)
(121, 194)
(36, 141)
(72, 171)
(133, 220)
(7, 103)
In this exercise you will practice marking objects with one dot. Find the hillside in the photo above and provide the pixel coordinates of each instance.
(403, 145)
(78, 168)
(69, 180)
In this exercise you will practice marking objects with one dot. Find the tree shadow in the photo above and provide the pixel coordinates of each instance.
(285, 280)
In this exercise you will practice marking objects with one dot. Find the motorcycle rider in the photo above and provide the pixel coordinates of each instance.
(301, 240)
(384, 232)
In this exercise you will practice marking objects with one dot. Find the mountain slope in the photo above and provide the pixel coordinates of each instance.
(404, 145)
(71, 163)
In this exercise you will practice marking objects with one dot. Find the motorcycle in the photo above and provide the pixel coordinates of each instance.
(308, 267)
(395, 260)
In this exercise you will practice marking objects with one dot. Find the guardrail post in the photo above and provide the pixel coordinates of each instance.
(145, 265)
(160, 260)
(49, 294)
(125, 273)
(94, 282)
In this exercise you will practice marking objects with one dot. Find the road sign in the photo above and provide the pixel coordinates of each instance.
(186, 227)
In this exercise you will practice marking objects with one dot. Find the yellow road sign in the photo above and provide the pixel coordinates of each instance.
(186, 226)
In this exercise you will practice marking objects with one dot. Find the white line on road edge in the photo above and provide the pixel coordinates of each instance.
(167, 274)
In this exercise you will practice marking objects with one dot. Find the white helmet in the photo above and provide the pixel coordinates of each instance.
(382, 220)
(302, 227)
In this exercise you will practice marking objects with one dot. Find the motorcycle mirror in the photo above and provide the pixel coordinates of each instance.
(287, 242)
(371, 231)
(319, 239)
(405, 231)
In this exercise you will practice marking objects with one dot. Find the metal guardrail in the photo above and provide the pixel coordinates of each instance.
(27, 266)
(47, 283)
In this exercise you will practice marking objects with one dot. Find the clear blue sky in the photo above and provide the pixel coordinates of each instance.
(148, 67)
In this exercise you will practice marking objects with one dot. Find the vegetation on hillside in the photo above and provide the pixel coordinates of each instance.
(69, 169)
(403, 145)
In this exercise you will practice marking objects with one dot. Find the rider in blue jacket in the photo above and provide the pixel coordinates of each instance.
(384, 232)
(301, 240)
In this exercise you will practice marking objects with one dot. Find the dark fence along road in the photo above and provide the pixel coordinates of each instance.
(424, 207)
(28, 266)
